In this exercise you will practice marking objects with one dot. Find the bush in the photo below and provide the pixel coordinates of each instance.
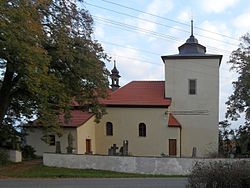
(220, 174)
(28, 152)
(4, 158)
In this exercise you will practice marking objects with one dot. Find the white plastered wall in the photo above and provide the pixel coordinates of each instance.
(200, 131)
(34, 139)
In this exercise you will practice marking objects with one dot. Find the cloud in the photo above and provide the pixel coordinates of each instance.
(99, 31)
(242, 23)
(215, 42)
(159, 7)
(217, 6)
(185, 15)
(156, 7)
(132, 66)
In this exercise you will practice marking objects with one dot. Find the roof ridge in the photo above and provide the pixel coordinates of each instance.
(147, 81)
(140, 93)
(134, 82)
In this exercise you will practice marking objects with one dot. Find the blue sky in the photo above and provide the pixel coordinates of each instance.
(136, 33)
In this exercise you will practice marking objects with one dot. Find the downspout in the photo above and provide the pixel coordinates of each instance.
(77, 141)
(180, 140)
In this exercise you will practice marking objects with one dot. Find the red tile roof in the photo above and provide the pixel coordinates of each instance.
(78, 118)
(172, 121)
(135, 93)
(139, 93)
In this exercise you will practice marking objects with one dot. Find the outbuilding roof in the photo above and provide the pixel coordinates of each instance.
(77, 118)
(173, 122)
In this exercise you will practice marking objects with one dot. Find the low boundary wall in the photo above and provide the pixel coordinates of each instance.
(143, 165)
(15, 156)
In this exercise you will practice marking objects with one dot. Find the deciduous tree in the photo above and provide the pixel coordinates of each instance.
(239, 101)
(47, 57)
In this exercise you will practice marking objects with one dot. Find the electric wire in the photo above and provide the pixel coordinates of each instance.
(168, 19)
(149, 52)
(160, 24)
(130, 47)
(127, 27)
(148, 32)
(158, 64)
(171, 67)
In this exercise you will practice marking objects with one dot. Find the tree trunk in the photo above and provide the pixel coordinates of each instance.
(5, 91)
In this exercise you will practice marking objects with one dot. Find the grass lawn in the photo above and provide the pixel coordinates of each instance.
(35, 169)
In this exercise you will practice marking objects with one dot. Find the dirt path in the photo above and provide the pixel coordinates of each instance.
(19, 167)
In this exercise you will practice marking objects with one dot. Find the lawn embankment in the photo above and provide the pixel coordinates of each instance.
(35, 169)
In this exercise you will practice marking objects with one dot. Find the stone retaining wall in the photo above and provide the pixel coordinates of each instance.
(143, 165)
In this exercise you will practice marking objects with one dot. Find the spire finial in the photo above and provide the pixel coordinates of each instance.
(192, 27)
(114, 70)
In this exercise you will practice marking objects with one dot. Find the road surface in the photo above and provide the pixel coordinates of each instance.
(95, 183)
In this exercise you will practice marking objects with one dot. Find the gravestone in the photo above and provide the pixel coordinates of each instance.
(125, 148)
(70, 143)
(58, 147)
(194, 152)
(121, 151)
(112, 150)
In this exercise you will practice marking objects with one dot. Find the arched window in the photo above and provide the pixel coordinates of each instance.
(109, 129)
(142, 129)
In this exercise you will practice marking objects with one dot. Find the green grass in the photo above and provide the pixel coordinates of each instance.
(41, 171)
(53, 172)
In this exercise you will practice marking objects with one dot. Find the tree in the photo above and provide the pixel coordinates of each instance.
(243, 139)
(239, 102)
(226, 137)
(47, 58)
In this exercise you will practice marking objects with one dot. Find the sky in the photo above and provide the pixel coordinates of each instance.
(136, 33)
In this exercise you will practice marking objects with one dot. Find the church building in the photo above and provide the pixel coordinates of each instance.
(176, 117)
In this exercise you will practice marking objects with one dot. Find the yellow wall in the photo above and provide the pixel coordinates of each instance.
(125, 127)
(86, 131)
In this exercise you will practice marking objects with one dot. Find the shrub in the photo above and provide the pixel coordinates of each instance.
(28, 152)
(4, 157)
(220, 174)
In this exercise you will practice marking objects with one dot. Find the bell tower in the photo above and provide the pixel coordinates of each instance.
(114, 78)
(192, 82)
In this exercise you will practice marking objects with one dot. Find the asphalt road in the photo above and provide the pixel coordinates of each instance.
(95, 183)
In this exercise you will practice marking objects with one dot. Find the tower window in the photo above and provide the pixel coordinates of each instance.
(109, 129)
(142, 130)
(192, 86)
